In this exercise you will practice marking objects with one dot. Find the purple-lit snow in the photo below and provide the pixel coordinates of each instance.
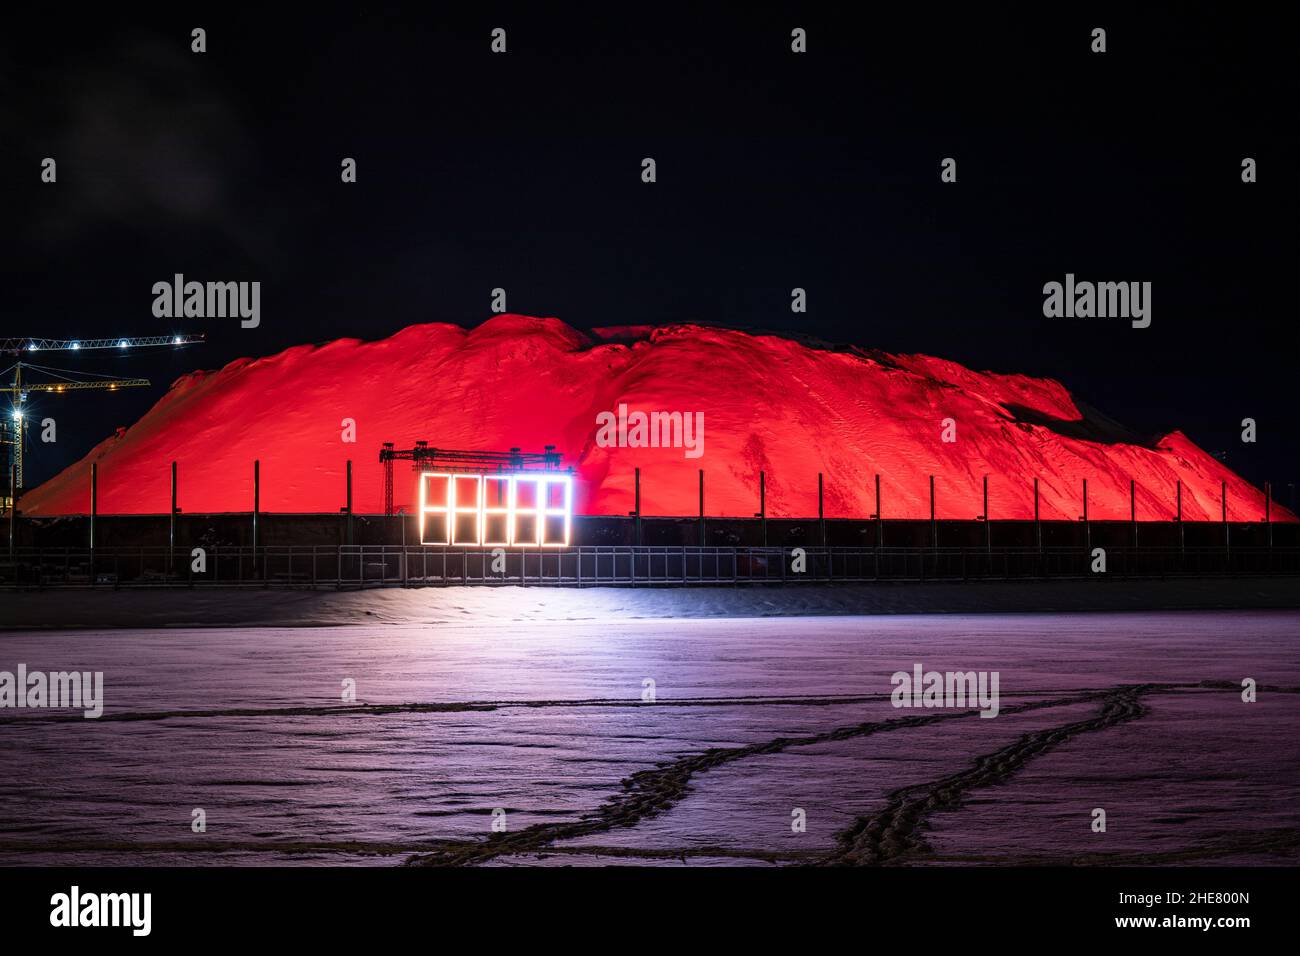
(753, 720)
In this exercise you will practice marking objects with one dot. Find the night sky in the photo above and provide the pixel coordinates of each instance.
(775, 170)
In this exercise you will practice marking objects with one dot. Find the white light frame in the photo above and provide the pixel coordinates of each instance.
(541, 510)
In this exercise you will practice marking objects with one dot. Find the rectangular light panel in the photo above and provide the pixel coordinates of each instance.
(526, 510)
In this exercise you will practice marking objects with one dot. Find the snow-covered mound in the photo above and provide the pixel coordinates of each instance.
(770, 404)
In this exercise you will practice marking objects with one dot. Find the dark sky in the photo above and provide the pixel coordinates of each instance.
(775, 170)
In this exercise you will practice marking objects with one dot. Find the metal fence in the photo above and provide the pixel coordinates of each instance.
(362, 566)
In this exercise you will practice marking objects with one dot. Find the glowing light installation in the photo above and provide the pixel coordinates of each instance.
(526, 510)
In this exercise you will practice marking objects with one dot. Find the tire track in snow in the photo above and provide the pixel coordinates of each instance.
(891, 834)
(648, 793)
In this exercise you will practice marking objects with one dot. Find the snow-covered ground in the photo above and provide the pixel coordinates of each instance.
(754, 723)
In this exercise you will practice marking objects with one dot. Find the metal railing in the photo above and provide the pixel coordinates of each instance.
(361, 566)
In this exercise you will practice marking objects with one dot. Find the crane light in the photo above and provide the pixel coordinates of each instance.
(122, 344)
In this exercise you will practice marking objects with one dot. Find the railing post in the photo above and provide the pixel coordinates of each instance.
(762, 504)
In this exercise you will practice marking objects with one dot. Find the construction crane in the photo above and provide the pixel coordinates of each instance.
(56, 381)
(20, 345)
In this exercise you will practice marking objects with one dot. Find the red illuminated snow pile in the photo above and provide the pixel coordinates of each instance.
(769, 404)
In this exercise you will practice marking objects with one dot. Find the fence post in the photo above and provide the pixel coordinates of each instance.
(762, 504)
(637, 475)
(934, 525)
(257, 501)
(880, 525)
(988, 526)
(703, 538)
(94, 510)
(1268, 513)
(349, 505)
(1182, 538)
(1227, 535)
(13, 508)
(821, 510)
(1038, 523)
(1087, 527)
(1133, 511)
(171, 526)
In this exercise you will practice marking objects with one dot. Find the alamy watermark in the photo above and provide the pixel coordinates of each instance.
(75, 908)
(922, 688)
(208, 300)
(626, 429)
(1101, 300)
(81, 690)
